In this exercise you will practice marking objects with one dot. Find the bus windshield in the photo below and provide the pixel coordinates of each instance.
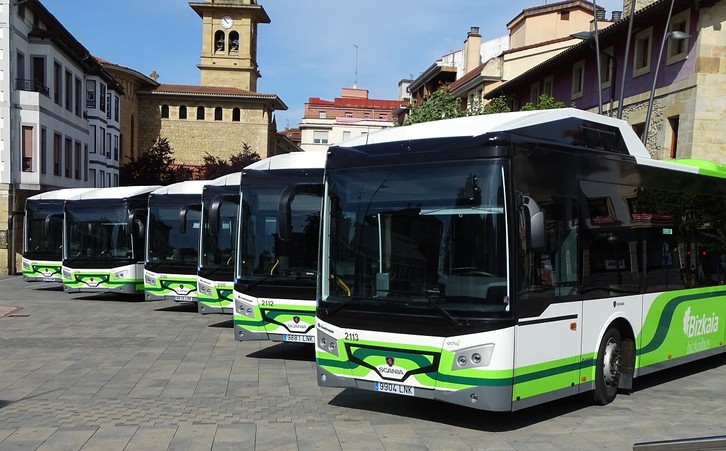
(44, 231)
(267, 256)
(98, 232)
(218, 243)
(418, 237)
(174, 232)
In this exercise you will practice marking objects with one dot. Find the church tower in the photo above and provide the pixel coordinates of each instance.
(229, 42)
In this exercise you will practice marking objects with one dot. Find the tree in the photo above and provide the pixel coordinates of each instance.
(215, 166)
(155, 166)
(546, 102)
(439, 105)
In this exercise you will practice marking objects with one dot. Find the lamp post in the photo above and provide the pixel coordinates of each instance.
(677, 35)
(592, 39)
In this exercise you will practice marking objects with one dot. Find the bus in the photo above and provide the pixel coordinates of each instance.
(215, 274)
(172, 242)
(43, 235)
(277, 251)
(503, 261)
(103, 249)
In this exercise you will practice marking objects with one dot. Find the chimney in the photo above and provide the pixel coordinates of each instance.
(600, 14)
(472, 50)
(617, 15)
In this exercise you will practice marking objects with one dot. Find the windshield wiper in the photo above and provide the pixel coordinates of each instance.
(444, 313)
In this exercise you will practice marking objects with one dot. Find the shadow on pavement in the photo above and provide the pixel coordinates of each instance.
(286, 351)
(108, 297)
(678, 372)
(454, 415)
(186, 307)
(227, 324)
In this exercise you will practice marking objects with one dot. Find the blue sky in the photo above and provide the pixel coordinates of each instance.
(308, 49)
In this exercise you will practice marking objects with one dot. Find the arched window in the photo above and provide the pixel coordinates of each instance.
(200, 113)
(183, 112)
(165, 111)
(219, 41)
(235, 115)
(233, 42)
(218, 114)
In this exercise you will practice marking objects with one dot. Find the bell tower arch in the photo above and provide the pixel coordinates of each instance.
(229, 42)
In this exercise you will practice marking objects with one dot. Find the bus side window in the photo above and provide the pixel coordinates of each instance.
(550, 271)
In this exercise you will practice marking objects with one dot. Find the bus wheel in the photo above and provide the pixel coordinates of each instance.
(607, 371)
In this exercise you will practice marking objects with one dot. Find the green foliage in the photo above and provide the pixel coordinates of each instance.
(546, 102)
(215, 166)
(497, 105)
(439, 105)
(155, 166)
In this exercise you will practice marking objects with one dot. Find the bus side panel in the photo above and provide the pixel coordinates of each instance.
(681, 326)
(547, 368)
(598, 315)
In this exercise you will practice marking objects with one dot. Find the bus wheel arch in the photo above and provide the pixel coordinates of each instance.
(615, 362)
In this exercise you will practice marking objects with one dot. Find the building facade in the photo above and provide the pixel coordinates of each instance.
(327, 122)
(60, 113)
(676, 53)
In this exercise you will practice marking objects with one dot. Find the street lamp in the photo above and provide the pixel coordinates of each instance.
(676, 35)
(592, 39)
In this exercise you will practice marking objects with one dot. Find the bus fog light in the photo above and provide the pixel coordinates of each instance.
(326, 343)
(474, 357)
(474, 398)
(323, 377)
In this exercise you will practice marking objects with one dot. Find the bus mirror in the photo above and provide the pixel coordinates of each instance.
(136, 223)
(183, 212)
(48, 220)
(535, 224)
(284, 211)
(215, 210)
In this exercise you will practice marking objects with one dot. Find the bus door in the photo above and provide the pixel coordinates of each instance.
(549, 315)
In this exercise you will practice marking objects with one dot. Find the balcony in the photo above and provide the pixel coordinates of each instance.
(31, 85)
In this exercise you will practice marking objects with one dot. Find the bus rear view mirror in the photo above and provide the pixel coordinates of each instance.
(535, 223)
(284, 211)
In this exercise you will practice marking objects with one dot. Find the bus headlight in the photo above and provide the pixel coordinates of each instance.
(149, 279)
(204, 288)
(327, 343)
(119, 275)
(244, 309)
(26, 264)
(66, 274)
(478, 356)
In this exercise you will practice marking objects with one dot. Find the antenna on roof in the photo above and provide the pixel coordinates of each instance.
(355, 83)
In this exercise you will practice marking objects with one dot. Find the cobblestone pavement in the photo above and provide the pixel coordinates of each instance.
(80, 372)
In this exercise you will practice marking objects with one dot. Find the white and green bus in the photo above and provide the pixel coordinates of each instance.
(173, 229)
(103, 249)
(43, 234)
(217, 247)
(502, 261)
(277, 251)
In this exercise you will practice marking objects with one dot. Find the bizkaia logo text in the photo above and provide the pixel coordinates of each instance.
(697, 328)
(695, 325)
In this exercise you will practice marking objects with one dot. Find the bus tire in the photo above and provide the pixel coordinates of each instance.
(607, 369)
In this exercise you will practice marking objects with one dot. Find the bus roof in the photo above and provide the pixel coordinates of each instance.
(293, 160)
(117, 192)
(186, 187)
(499, 122)
(60, 194)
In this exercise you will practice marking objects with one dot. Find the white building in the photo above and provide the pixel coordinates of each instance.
(55, 102)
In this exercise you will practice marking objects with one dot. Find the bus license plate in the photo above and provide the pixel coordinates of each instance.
(298, 338)
(397, 389)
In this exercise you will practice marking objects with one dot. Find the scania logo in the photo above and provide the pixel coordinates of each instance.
(390, 361)
(296, 319)
(296, 325)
